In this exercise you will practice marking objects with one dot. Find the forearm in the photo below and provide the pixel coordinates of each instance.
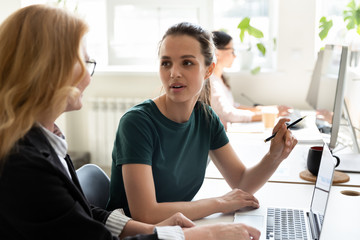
(280, 148)
(252, 179)
(221, 231)
(256, 117)
(192, 210)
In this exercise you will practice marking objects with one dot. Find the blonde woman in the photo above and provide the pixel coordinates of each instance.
(44, 70)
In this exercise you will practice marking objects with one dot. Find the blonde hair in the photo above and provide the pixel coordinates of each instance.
(39, 47)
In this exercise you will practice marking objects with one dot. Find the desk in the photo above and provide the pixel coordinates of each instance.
(342, 219)
(250, 147)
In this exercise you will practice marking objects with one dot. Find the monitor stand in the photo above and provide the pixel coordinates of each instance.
(350, 162)
(351, 126)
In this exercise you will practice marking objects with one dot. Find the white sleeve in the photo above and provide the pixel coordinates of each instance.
(116, 222)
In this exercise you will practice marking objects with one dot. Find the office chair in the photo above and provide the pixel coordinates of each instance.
(95, 184)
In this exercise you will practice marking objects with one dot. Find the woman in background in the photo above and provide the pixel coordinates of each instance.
(44, 70)
(222, 100)
(162, 145)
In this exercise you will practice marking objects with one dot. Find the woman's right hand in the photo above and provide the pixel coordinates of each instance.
(222, 231)
(237, 199)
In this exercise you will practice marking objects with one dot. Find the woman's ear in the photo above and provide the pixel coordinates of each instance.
(210, 70)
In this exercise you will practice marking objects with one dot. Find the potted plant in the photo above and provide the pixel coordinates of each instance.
(351, 16)
(247, 56)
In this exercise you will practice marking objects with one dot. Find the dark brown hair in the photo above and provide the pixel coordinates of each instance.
(221, 39)
(207, 49)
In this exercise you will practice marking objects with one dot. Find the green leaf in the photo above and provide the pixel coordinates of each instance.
(351, 15)
(352, 5)
(244, 24)
(242, 35)
(357, 16)
(256, 70)
(255, 32)
(325, 26)
(261, 48)
(350, 25)
(275, 44)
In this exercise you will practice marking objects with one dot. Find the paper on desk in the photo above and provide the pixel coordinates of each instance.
(308, 135)
(251, 127)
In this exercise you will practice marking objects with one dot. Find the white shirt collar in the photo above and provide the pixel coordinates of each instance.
(59, 145)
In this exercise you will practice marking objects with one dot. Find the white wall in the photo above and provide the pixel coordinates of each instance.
(288, 85)
(7, 7)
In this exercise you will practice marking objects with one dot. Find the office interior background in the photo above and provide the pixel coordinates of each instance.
(124, 36)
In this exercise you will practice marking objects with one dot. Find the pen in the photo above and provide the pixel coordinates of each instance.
(289, 126)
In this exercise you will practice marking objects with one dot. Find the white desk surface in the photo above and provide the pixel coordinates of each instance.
(250, 147)
(342, 220)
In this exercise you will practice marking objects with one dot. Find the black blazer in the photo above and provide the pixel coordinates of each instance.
(38, 200)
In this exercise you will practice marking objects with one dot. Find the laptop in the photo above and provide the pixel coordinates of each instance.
(287, 223)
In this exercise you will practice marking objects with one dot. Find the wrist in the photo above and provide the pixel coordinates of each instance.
(271, 160)
(150, 229)
(133, 228)
(218, 204)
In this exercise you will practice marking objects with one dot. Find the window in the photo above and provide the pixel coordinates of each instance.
(227, 16)
(124, 34)
(94, 12)
(136, 27)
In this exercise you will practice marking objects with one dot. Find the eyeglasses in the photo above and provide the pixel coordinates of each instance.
(90, 66)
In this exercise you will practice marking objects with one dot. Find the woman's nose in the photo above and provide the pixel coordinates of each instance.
(174, 72)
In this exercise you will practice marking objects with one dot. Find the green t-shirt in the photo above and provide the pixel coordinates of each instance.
(177, 152)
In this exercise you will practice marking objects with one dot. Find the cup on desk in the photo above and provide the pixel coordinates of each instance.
(269, 115)
(314, 158)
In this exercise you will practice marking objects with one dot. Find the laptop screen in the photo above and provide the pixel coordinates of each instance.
(322, 190)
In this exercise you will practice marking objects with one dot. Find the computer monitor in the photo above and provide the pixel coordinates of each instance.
(313, 90)
(327, 87)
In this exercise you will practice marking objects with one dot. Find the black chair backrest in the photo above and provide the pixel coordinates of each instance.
(95, 184)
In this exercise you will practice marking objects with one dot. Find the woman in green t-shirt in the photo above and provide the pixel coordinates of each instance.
(162, 145)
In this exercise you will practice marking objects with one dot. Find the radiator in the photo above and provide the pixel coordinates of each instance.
(104, 117)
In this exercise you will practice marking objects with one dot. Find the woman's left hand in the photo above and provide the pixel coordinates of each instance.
(283, 143)
(177, 219)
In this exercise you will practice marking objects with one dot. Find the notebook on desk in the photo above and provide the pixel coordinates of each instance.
(305, 131)
(349, 162)
(288, 223)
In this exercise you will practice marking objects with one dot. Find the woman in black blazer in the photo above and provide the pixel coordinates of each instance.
(44, 70)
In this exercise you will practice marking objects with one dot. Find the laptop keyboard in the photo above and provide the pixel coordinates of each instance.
(285, 223)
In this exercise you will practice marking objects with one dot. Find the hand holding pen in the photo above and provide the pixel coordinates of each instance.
(282, 144)
(289, 126)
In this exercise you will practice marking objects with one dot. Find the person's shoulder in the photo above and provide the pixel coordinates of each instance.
(33, 142)
(140, 110)
(30, 151)
(139, 116)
